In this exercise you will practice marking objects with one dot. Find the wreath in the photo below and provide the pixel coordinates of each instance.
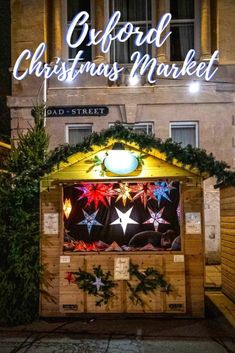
(97, 283)
(100, 284)
(148, 281)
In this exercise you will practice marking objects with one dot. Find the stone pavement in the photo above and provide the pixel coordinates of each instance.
(117, 335)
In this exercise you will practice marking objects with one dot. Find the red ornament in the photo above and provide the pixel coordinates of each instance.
(70, 277)
(95, 193)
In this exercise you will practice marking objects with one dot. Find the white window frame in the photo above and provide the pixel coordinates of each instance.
(151, 23)
(197, 32)
(185, 124)
(65, 29)
(76, 126)
(133, 125)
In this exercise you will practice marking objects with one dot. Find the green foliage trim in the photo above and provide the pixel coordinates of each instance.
(195, 157)
(20, 270)
(148, 281)
(85, 280)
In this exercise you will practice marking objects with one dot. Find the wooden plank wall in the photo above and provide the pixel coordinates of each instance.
(187, 277)
(50, 255)
(227, 214)
(157, 302)
(192, 197)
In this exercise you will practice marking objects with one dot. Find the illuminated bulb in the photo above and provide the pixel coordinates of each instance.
(194, 87)
(133, 81)
(121, 162)
(67, 207)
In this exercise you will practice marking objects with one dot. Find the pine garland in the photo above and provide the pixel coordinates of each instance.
(86, 281)
(196, 157)
(148, 281)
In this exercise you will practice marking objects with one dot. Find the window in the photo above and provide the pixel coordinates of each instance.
(182, 28)
(73, 7)
(142, 128)
(139, 13)
(185, 133)
(76, 133)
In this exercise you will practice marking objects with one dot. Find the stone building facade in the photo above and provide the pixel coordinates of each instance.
(205, 118)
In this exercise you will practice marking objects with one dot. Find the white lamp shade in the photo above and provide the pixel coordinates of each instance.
(120, 162)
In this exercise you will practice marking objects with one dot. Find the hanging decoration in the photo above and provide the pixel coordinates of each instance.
(143, 191)
(67, 208)
(124, 219)
(161, 190)
(156, 218)
(98, 284)
(148, 281)
(94, 193)
(90, 220)
(70, 277)
(123, 193)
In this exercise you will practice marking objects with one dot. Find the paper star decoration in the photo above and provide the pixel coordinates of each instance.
(67, 207)
(156, 218)
(90, 220)
(161, 190)
(124, 219)
(98, 283)
(143, 191)
(94, 193)
(123, 193)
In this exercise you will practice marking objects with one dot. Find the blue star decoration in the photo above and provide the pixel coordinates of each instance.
(98, 283)
(90, 220)
(162, 190)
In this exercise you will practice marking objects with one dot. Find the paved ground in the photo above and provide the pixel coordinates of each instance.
(131, 335)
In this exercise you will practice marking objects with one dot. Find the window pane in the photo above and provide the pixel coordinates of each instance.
(186, 135)
(75, 6)
(77, 135)
(182, 9)
(133, 10)
(87, 50)
(143, 129)
(182, 40)
(121, 52)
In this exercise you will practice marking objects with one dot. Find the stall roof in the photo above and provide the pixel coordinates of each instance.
(81, 166)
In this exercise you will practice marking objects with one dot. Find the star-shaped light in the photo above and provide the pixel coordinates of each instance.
(67, 207)
(124, 219)
(94, 193)
(90, 220)
(123, 193)
(98, 283)
(156, 218)
(161, 190)
(144, 191)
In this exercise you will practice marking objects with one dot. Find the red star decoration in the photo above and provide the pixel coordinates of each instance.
(70, 277)
(94, 193)
(143, 191)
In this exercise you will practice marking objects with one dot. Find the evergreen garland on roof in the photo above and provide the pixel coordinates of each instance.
(195, 157)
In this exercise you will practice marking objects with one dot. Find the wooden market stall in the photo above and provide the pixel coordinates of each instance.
(227, 214)
(98, 217)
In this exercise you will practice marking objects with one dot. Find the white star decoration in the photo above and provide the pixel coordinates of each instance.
(98, 283)
(90, 220)
(156, 218)
(124, 219)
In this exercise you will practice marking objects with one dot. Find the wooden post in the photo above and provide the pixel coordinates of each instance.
(205, 30)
